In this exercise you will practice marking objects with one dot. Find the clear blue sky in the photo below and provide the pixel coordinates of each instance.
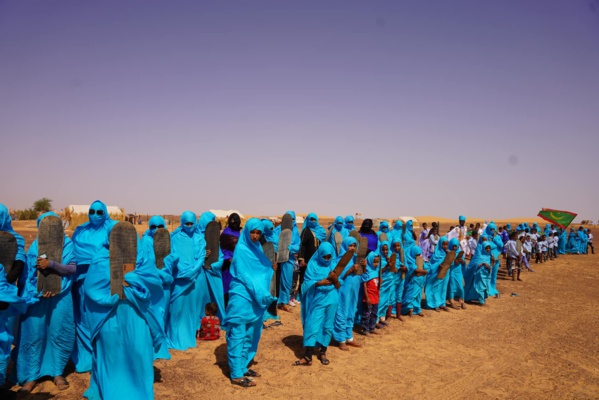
(482, 108)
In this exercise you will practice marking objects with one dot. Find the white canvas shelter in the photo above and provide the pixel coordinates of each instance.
(225, 213)
(83, 209)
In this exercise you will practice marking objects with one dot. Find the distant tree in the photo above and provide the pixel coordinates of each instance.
(42, 205)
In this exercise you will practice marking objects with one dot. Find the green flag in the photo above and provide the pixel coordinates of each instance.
(557, 217)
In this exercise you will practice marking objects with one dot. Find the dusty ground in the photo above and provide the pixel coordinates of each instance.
(543, 344)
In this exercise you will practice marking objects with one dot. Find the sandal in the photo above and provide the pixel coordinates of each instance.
(304, 361)
(61, 383)
(252, 374)
(323, 359)
(243, 382)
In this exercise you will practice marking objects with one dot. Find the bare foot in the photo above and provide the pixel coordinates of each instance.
(61, 383)
(27, 388)
(353, 343)
(420, 315)
(343, 347)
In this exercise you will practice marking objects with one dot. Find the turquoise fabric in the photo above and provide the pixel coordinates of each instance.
(412, 296)
(349, 223)
(455, 285)
(477, 276)
(88, 239)
(338, 226)
(47, 333)
(387, 283)
(188, 248)
(16, 305)
(348, 296)
(123, 330)
(319, 232)
(249, 296)
(435, 288)
(161, 300)
(496, 249)
(209, 284)
(399, 282)
(286, 268)
(319, 303)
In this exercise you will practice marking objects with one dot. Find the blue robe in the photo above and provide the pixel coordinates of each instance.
(399, 283)
(455, 286)
(496, 251)
(319, 303)
(188, 248)
(435, 288)
(15, 296)
(125, 333)
(161, 300)
(337, 228)
(477, 276)
(249, 296)
(412, 295)
(387, 286)
(563, 240)
(348, 297)
(573, 246)
(87, 240)
(286, 268)
(47, 333)
(209, 283)
(349, 223)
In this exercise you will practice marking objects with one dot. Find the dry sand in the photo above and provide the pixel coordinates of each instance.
(543, 344)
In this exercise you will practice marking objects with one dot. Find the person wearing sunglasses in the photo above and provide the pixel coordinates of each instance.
(126, 333)
(88, 239)
(165, 274)
(189, 247)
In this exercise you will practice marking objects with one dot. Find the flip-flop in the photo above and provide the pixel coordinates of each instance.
(244, 382)
(276, 323)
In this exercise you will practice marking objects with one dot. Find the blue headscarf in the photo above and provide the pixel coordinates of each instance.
(6, 225)
(269, 233)
(204, 220)
(318, 268)
(349, 223)
(454, 244)
(490, 229)
(408, 238)
(348, 241)
(439, 254)
(371, 271)
(338, 226)
(384, 227)
(319, 232)
(251, 272)
(156, 220)
(89, 237)
(462, 218)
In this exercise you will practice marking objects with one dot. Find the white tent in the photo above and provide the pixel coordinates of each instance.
(225, 213)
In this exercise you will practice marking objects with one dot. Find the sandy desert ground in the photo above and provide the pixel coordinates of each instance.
(542, 344)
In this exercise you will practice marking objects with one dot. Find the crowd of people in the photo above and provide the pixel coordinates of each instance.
(188, 299)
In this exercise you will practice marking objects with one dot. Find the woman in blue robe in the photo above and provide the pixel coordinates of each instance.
(320, 300)
(349, 293)
(563, 240)
(188, 247)
(14, 297)
(125, 333)
(88, 239)
(349, 223)
(386, 285)
(396, 232)
(435, 288)
(573, 246)
(249, 296)
(286, 268)
(399, 284)
(47, 333)
(478, 275)
(268, 236)
(228, 240)
(409, 238)
(584, 240)
(383, 228)
(337, 227)
(209, 284)
(161, 300)
(455, 284)
(496, 251)
(415, 281)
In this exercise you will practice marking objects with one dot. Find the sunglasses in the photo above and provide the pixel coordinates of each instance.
(97, 212)
(156, 226)
(189, 224)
